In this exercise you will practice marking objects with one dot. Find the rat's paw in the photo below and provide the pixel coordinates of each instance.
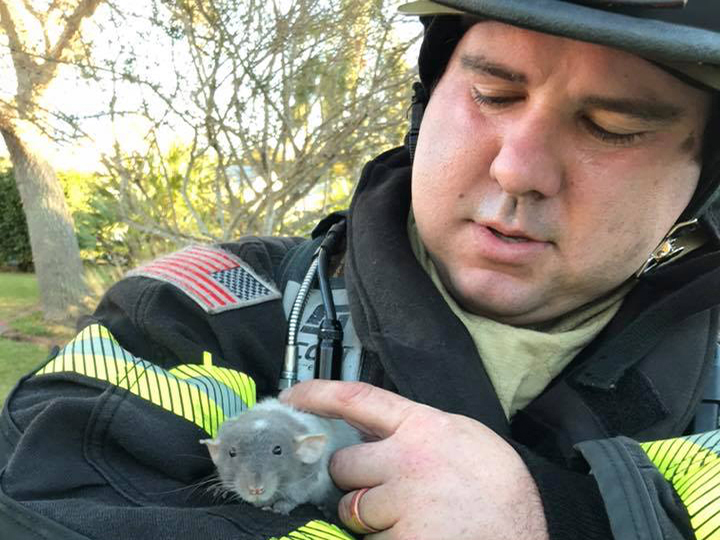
(283, 507)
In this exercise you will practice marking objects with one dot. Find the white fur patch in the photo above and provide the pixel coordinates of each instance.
(260, 424)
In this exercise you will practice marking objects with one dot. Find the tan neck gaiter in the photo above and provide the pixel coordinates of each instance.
(521, 362)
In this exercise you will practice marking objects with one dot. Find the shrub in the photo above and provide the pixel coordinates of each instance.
(15, 249)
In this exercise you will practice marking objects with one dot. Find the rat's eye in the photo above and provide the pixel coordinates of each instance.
(232, 452)
(277, 450)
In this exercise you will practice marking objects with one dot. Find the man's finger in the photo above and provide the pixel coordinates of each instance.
(362, 465)
(368, 510)
(369, 408)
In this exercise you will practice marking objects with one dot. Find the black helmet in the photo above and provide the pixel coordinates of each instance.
(682, 36)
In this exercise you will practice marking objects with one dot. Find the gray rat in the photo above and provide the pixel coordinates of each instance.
(276, 457)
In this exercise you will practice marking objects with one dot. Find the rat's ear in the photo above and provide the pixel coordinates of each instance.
(310, 447)
(213, 446)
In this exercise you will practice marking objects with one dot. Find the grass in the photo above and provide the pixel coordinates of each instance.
(16, 359)
(18, 292)
(26, 338)
(33, 325)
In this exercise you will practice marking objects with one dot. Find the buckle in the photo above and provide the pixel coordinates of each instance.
(669, 248)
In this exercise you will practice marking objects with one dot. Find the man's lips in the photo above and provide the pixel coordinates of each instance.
(511, 232)
(504, 245)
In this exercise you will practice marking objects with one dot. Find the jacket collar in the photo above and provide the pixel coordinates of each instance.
(397, 311)
(400, 315)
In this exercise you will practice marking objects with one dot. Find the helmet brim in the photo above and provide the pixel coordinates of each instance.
(688, 49)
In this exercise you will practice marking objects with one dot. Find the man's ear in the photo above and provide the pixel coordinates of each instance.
(310, 447)
(213, 446)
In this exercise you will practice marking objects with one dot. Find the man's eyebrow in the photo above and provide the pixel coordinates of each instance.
(643, 109)
(480, 64)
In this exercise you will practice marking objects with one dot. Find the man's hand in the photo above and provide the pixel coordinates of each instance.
(432, 475)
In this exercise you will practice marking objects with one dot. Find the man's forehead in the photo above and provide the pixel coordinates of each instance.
(516, 53)
(697, 75)
(600, 77)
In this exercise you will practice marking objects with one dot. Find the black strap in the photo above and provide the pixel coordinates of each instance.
(417, 110)
(297, 260)
(707, 417)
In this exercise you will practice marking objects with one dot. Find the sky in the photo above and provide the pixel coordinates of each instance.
(87, 97)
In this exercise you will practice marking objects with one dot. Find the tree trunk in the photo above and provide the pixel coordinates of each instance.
(55, 250)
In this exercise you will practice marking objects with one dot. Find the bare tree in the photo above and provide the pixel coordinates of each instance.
(40, 38)
(275, 101)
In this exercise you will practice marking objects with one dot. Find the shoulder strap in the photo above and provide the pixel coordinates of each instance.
(298, 259)
(296, 263)
(654, 400)
(290, 274)
(708, 412)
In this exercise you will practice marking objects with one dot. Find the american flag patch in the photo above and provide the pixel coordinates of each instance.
(216, 279)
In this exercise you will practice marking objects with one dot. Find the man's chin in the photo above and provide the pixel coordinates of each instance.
(505, 304)
(509, 296)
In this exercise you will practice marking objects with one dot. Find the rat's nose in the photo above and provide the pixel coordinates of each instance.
(256, 490)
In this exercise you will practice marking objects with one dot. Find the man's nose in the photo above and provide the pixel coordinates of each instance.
(529, 160)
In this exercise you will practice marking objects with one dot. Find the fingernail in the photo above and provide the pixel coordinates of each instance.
(285, 394)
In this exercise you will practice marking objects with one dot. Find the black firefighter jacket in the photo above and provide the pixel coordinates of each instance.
(101, 442)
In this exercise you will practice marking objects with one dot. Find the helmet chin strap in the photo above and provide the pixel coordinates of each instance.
(417, 109)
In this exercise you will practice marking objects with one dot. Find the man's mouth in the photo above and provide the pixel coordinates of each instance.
(511, 239)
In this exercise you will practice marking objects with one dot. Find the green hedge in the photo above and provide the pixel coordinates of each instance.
(14, 238)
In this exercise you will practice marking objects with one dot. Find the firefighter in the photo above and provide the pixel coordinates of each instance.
(521, 302)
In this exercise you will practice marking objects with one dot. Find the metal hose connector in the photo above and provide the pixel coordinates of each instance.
(288, 376)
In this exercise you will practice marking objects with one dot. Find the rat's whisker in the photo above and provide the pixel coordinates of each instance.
(204, 458)
(193, 486)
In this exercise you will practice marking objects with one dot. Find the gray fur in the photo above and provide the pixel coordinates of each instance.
(299, 474)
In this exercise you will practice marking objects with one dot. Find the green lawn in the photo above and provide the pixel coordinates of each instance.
(17, 292)
(16, 359)
(32, 337)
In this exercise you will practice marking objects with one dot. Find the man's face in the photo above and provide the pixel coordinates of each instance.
(548, 169)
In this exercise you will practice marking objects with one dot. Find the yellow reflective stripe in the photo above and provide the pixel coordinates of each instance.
(89, 366)
(692, 465)
(202, 394)
(316, 530)
(142, 388)
(186, 403)
(68, 363)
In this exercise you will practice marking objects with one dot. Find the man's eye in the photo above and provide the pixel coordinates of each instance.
(493, 101)
(620, 139)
